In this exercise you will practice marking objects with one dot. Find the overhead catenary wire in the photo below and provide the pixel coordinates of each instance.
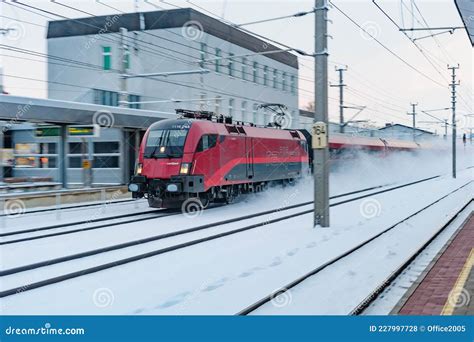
(397, 56)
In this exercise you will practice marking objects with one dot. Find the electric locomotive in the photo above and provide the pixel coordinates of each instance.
(210, 158)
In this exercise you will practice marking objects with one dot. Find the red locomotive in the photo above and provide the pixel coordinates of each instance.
(208, 158)
(211, 159)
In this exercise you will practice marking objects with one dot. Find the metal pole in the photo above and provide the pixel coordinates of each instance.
(123, 96)
(2, 157)
(413, 114)
(62, 155)
(83, 158)
(321, 155)
(90, 174)
(453, 103)
(341, 86)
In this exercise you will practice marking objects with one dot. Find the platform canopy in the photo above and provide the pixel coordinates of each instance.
(466, 11)
(17, 109)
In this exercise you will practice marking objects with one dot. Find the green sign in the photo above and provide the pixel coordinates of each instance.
(82, 131)
(47, 132)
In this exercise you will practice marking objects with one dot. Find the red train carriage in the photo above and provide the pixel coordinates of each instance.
(212, 160)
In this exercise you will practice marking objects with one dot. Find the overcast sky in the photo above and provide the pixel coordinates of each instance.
(375, 77)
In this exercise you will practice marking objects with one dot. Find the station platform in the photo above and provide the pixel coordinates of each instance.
(446, 287)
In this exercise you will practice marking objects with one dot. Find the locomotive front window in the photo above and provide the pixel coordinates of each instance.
(165, 143)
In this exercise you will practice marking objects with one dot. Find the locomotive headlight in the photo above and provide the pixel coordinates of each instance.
(133, 187)
(139, 169)
(185, 168)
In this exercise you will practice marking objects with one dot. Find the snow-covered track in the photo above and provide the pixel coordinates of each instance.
(167, 249)
(148, 215)
(362, 306)
(267, 299)
(73, 207)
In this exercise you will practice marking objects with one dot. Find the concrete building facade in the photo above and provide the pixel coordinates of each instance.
(244, 71)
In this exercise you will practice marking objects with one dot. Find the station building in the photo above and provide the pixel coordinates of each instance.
(244, 71)
(84, 66)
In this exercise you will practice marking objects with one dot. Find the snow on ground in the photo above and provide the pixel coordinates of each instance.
(225, 275)
(340, 288)
(386, 301)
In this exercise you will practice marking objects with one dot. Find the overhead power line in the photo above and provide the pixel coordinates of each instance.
(386, 47)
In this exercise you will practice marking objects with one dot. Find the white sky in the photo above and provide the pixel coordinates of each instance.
(375, 78)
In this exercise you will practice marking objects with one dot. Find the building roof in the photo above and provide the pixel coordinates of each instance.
(164, 20)
(404, 126)
(466, 11)
(17, 109)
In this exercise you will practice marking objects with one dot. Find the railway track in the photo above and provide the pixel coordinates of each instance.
(149, 215)
(165, 213)
(72, 207)
(364, 304)
(167, 249)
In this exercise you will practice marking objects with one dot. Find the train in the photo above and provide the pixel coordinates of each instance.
(209, 158)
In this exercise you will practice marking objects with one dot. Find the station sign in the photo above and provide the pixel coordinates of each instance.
(319, 135)
(50, 131)
(83, 131)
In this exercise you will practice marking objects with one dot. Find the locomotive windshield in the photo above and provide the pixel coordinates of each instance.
(165, 143)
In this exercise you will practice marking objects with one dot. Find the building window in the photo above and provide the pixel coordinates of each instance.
(265, 75)
(244, 111)
(255, 72)
(47, 162)
(231, 107)
(203, 54)
(35, 155)
(218, 59)
(75, 148)
(283, 82)
(293, 84)
(255, 113)
(75, 162)
(105, 162)
(231, 64)
(266, 118)
(244, 69)
(111, 98)
(106, 57)
(105, 97)
(126, 59)
(275, 78)
(106, 147)
(202, 101)
(134, 99)
(218, 105)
